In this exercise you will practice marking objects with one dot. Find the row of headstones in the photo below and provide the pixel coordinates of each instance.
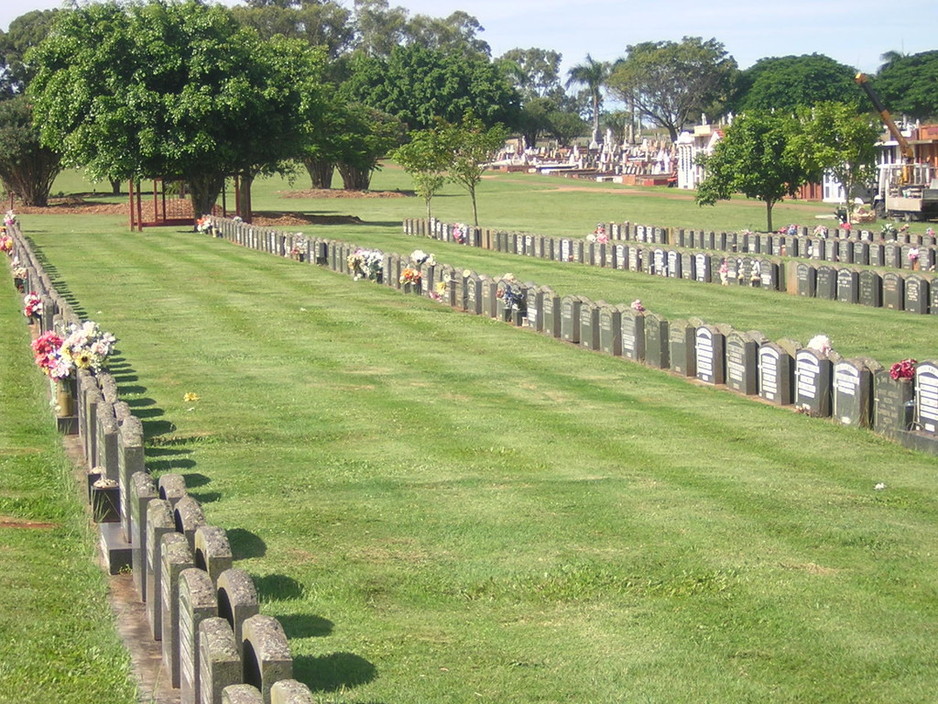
(909, 292)
(852, 247)
(215, 644)
(855, 392)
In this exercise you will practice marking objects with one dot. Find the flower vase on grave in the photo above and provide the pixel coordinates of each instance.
(20, 284)
(64, 398)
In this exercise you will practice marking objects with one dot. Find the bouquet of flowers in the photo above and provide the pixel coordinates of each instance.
(32, 305)
(6, 244)
(903, 370)
(511, 294)
(889, 231)
(204, 224)
(48, 355)
(637, 306)
(87, 346)
(598, 235)
(913, 254)
(820, 231)
(410, 276)
(459, 233)
(366, 264)
(10, 218)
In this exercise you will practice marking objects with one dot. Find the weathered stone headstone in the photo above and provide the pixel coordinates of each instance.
(535, 309)
(893, 291)
(142, 492)
(687, 266)
(241, 694)
(681, 347)
(926, 396)
(657, 342)
(290, 692)
(265, 653)
(848, 286)
(893, 403)
(176, 557)
(196, 603)
(633, 334)
(489, 296)
(171, 487)
(710, 348)
(159, 523)
(891, 254)
(237, 600)
(742, 361)
(916, 294)
(807, 279)
(813, 383)
(212, 552)
(610, 330)
(188, 515)
(826, 283)
(861, 252)
(474, 294)
(871, 289)
(777, 372)
(853, 392)
(219, 661)
(877, 254)
(570, 318)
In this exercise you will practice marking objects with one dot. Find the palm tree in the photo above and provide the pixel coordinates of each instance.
(593, 75)
(889, 58)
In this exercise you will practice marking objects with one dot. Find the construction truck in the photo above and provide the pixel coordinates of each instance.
(907, 190)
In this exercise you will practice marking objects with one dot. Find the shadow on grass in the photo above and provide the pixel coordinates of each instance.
(305, 626)
(194, 480)
(275, 587)
(63, 290)
(245, 544)
(329, 673)
(204, 497)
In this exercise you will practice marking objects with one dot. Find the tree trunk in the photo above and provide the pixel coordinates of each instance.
(354, 178)
(245, 206)
(320, 171)
(475, 211)
(768, 215)
(115, 186)
(32, 178)
(428, 207)
(204, 190)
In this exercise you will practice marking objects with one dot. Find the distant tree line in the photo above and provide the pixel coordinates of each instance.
(198, 92)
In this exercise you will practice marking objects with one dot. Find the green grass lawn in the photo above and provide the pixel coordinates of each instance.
(440, 508)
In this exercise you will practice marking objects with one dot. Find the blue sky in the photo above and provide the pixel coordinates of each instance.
(854, 32)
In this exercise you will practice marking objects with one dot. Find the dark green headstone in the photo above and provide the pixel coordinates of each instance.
(776, 373)
(570, 318)
(551, 313)
(893, 403)
(871, 289)
(852, 392)
(826, 283)
(589, 325)
(893, 291)
(681, 347)
(656, 342)
(633, 335)
(710, 348)
(610, 330)
(848, 286)
(702, 271)
(807, 280)
(742, 373)
(813, 383)
(916, 294)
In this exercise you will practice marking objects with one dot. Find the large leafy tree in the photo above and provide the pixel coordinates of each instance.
(25, 32)
(908, 84)
(757, 158)
(833, 137)
(177, 90)
(364, 135)
(592, 75)
(420, 85)
(534, 72)
(672, 83)
(788, 82)
(27, 168)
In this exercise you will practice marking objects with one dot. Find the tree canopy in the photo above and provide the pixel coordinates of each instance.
(420, 85)
(27, 168)
(908, 85)
(175, 90)
(672, 83)
(788, 82)
(757, 158)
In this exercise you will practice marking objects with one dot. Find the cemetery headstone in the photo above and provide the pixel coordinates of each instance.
(196, 603)
(893, 403)
(893, 290)
(610, 330)
(176, 557)
(570, 318)
(852, 391)
(266, 653)
(142, 492)
(589, 325)
(848, 286)
(916, 294)
(926, 396)
(159, 523)
(826, 283)
(807, 279)
(633, 334)
(871, 289)
(710, 349)
(657, 341)
(742, 361)
(777, 372)
(212, 552)
(702, 270)
(813, 383)
(552, 313)
(237, 601)
(219, 662)
(681, 347)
